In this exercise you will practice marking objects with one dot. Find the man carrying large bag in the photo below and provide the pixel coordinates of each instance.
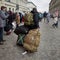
(32, 39)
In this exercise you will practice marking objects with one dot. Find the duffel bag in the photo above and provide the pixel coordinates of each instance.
(21, 30)
(7, 27)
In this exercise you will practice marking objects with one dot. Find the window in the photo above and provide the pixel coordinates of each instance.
(17, 7)
(7, 0)
(9, 9)
(13, 9)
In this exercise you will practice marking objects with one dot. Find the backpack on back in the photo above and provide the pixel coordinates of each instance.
(28, 19)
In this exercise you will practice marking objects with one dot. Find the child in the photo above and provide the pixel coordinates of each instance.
(55, 19)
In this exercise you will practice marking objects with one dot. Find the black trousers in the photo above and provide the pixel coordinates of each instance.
(1, 34)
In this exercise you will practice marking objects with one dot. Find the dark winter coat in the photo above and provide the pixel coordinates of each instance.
(36, 19)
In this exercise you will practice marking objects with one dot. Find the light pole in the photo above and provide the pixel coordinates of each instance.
(17, 6)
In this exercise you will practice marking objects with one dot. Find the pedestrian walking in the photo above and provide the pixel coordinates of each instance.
(45, 15)
(3, 17)
(48, 17)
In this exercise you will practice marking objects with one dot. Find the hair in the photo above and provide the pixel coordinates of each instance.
(34, 10)
(2, 7)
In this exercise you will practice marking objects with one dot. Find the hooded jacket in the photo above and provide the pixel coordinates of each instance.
(36, 18)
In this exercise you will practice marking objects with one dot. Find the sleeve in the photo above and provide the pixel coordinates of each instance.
(3, 16)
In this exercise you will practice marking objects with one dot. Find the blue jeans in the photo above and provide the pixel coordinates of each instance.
(1, 34)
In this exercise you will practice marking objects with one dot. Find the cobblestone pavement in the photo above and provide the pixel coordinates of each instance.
(49, 48)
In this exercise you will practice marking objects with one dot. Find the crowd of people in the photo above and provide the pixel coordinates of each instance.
(8, 17)
(55, 17)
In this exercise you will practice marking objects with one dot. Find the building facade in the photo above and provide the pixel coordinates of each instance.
(54, 5)
(14, 5)
(31, 5)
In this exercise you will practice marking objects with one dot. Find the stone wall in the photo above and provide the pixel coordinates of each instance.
(12, 4)
(54, 5)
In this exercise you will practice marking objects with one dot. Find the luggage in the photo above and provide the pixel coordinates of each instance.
(21, 30)
(20, 39)
(28, 19)
(32, 40)
(30, 48)
(7, 27)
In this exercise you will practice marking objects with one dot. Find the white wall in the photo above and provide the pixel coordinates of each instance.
(22, 4)
(30, 5)
(14, 1)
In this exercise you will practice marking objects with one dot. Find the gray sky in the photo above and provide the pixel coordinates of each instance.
(42, 5)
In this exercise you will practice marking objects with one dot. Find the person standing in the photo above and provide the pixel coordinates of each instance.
(35, 17)
(45, 15)
(3, 17)
(48, 17)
